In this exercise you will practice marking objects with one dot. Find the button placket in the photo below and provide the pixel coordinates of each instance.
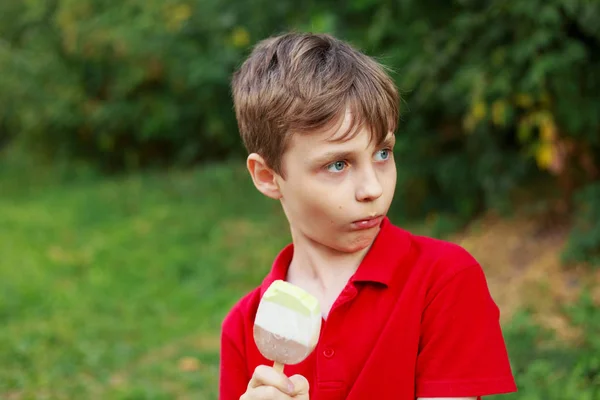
(328, 352)
(347, 295)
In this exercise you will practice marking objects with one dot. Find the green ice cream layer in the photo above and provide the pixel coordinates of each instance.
(292, 297)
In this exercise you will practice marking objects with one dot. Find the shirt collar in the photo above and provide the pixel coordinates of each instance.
(384, 256)
(378, 266)
(279, 269)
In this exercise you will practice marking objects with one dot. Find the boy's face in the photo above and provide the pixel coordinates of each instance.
(335, 194)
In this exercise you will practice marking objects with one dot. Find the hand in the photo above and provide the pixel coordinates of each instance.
(269, 384)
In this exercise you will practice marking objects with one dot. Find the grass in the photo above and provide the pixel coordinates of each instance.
(115, 288)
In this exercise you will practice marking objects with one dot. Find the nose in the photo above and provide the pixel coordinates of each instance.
(368, 187)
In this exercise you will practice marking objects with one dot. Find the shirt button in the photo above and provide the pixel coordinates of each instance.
(328, 353)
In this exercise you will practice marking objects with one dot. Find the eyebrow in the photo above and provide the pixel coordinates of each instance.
(333, 156)
(389, 141)
(342, 155)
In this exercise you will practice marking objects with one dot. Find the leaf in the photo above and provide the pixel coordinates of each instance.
(524, 130)
(479, 111)
(547, 130)
(177, 15)
(524, 100)
(499, 112)
(240, 37)
(544, 155)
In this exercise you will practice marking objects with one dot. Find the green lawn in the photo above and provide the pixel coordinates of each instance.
(115, 288)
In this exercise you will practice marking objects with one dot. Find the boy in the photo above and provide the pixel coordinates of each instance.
(404, 316)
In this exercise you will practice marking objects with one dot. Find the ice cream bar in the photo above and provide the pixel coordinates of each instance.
(287, 324)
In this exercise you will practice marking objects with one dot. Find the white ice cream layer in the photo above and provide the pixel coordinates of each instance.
(288, 324)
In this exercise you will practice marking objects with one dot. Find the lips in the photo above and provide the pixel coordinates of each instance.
(367, 223)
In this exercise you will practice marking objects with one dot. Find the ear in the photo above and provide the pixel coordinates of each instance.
(264, 178)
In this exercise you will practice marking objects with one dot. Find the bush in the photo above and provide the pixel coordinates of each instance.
(121, 84)
(546, 368)
(584, 242)
(497, 93)
(492, 93)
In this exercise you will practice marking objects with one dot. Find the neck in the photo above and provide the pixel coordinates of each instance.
(322, 265)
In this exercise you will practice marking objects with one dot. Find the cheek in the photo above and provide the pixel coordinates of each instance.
(318, 206)
(392, 187)
(389, 175)
(319, 213)
(309, 205)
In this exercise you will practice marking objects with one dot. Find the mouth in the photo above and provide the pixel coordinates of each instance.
(367, 223)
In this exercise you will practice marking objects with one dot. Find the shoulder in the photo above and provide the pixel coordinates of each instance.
(421, 261)
(424, 249)
(238, 322)
(441, 258)
(435, 263)
(448, 268)
(438, 251)
(241, 314)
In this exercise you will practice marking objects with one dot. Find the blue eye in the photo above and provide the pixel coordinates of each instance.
(337, 166)
(382, 155)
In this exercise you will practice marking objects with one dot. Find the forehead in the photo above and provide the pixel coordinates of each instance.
(346, 131)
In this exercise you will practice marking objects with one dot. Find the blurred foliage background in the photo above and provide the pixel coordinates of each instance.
(500, 114)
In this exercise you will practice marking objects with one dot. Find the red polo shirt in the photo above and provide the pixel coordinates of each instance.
(415, 320)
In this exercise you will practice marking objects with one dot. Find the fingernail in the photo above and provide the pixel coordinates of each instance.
(291, 387)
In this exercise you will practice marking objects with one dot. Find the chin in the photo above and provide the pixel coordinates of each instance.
(358, 243)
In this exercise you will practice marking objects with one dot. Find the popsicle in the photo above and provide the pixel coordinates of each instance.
(287, 324)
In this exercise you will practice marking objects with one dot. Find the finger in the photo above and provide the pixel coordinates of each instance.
(301, 385)
(269, 393)
(267, 376)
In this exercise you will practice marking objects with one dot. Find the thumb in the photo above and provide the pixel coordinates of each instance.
(301, 385)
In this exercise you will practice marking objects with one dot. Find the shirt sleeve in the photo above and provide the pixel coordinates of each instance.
(462, 352)
(233, 374)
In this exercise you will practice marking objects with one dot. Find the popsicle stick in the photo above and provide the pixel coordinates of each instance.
(278, 367)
